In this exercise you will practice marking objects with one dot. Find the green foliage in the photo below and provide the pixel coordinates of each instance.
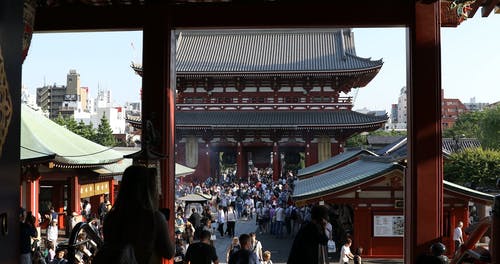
(467, 125)
(86, 131)
(490, 128)
(104, 134)
(358, 140)
(484, 125)
(473, 167)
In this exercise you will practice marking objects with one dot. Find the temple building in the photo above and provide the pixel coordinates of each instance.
(266, 98)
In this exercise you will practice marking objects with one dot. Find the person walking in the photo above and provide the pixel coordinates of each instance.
(231, 221)
(245, 254)
(345, 252)
(310, 239)
(201, 252)
(27, 231)
(221, 220)
(233, 247)
(458, 235)
(256, 246)
(134, 221)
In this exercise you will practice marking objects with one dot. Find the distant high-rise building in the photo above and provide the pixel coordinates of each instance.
(474, 106)
(63, 99)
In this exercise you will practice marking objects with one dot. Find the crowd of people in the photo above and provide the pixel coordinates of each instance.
(258, 199)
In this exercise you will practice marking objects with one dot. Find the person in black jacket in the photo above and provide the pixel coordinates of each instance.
(201, 252)
(306, 245)
(27, 231)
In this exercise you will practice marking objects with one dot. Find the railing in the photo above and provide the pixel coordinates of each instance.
(263, 106)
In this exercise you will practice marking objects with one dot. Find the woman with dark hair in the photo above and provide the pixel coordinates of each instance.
(309, 242)
(135, 221)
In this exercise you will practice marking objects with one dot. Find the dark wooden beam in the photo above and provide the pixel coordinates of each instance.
(89, 18)
(488, 6)
(294, 14)
(228, 15)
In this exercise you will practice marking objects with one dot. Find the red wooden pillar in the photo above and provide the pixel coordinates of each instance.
(74, 205)
(111, 194)
(276, 162)
(158, 94)
(58, 203)
(240, 161)
(424, 178)
(32, 192)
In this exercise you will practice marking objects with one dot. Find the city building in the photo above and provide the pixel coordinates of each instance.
(472, 105)
(450, 110)
(236, 105)
(64, 100)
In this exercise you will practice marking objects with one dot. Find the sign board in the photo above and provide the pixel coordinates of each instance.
(388, 225)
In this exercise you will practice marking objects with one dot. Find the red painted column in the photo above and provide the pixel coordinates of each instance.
(424, 177)
(307, 154)
(158, 95)
(276, 162)
(32, 192)
(111, 194)
(74, 205)
(240, 160)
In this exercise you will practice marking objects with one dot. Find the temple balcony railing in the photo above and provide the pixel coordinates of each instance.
(265, 107)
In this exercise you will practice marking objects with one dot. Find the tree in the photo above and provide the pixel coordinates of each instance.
(467, 125)
(86, 131)
(104, 134)
(490, 128)
(473, 168)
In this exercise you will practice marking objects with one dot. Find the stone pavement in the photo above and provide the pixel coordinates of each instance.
(279, 248)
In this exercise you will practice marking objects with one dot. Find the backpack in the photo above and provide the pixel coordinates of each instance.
(109, 254)
(293, 214)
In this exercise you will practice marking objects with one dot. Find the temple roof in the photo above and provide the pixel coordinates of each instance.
(42, 137)
(257, 51)
(276, 119)
(449, 145)
(333, 161)
(360, 172)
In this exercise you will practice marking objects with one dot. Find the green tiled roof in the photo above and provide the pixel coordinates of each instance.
(467, 191)
(345, 177)
(333, 161)
(40, 136)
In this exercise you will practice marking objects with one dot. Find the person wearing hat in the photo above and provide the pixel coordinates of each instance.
(310, 239)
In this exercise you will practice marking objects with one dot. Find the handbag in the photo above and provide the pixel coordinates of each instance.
(331, 246)
(213, 237)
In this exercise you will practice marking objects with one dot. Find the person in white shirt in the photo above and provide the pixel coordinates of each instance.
(345, 252)
(458, 236)
(221, 219)
(280, 220)
(231, 221)
(256, 245)
(53, 232)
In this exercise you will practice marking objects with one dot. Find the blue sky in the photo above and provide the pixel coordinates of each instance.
(470, 62)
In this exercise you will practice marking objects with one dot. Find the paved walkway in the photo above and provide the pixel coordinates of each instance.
(279, 248)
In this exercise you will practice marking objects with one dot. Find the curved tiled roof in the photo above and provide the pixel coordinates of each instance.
(279, 119)
(342, 178)
(42, 136)
(255, 51)
(333, 161)
(361, 171)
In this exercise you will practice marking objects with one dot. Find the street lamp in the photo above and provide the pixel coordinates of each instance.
(456, 139)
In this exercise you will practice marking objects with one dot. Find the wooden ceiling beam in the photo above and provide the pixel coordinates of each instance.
(380, 13)
(488, 6)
